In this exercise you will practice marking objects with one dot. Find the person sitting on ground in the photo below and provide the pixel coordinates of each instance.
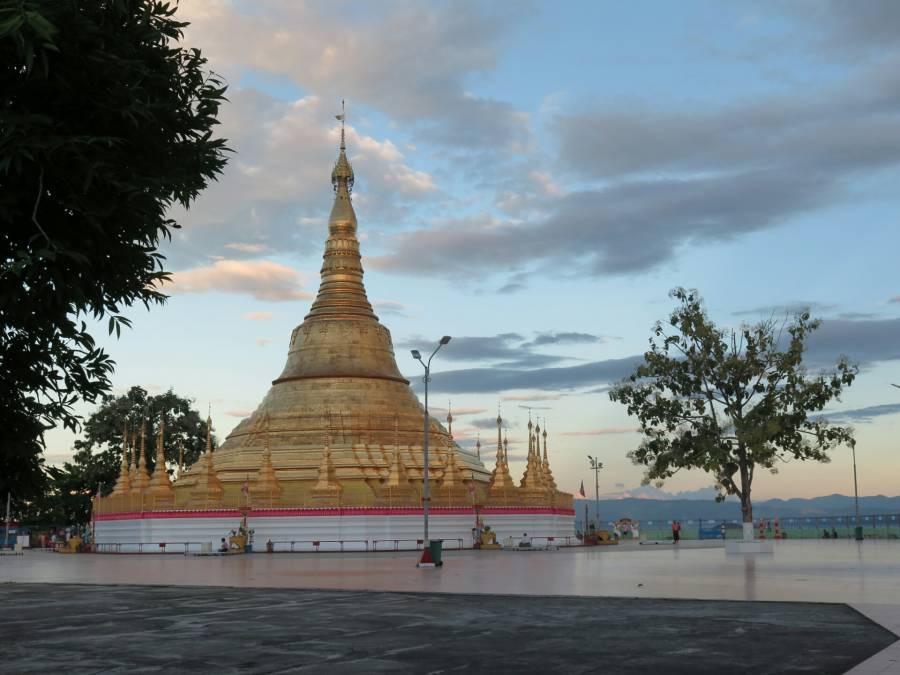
(526, 541)
(834, 534)
(825, 534)
(224, 547)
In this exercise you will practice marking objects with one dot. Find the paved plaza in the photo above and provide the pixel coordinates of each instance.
(205, 629)
(861, 581)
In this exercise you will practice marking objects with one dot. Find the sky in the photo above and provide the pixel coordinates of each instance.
(533, 179)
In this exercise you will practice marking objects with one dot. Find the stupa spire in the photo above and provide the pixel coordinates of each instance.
(208, 487)
(160, 484)
(327, 490)
(267, 483)
(123, 484)
(548, 474)
(132, 453)
(341, 290)
(340, 335)
(501, 481)
(142, 478)
(209, 434)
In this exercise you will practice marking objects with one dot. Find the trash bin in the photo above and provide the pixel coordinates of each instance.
(435, 546)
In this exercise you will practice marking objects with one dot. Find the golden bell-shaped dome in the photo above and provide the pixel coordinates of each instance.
(340, 367)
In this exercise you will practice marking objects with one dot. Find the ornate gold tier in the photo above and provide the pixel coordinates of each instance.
(340, 425)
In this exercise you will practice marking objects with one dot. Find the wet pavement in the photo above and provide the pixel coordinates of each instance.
(230, 596)
(258, 630)
(814, 571)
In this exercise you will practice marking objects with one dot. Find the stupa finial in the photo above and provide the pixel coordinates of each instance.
(209, 431)
(342, 174)
(343, 118)
(449, 421)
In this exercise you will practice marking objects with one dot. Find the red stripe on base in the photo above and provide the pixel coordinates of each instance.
(339, 512)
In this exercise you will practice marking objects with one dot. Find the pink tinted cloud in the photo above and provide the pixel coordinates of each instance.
(531, 397)
(262, 279)
(258, 316)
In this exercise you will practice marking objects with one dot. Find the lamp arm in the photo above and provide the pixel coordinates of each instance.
(437, 349)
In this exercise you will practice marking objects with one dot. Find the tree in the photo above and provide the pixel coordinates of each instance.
(97, 459)
(729, 401)
(105, 123)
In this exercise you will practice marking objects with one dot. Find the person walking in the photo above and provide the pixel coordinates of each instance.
(676, 531)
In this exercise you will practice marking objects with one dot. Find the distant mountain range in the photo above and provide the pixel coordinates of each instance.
(674, 508)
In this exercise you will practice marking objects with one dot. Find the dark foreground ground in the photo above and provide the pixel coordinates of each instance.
(47, 628)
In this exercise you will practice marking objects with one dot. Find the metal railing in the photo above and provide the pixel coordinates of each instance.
(396, 542)
(875, 526)
(154, 547)
(316, 544)
(305, 545)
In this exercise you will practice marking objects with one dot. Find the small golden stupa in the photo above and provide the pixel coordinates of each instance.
(340, 426)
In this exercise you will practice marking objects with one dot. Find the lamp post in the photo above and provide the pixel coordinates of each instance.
(596, 465)
(858, 531)
(427, 366)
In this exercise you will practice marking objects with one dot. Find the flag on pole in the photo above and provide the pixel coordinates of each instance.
(581, 491)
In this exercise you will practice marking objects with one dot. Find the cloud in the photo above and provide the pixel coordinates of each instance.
(790, 308)
(896, 298)
(486, 380)
(653, 180)
(374, 60)
(534, 396)
(845, 28)
(866, 414)
(278, 189)
(243, 247)
(258, 316)
(239, 413)
(458, 412)
(505, 349)
(601, 432)
(830, 131)
(565, 338)
(391, 307)
(862, 341)
(508, 350)
(263, 342)
(261, 279)
(622, 229)
(486, 423)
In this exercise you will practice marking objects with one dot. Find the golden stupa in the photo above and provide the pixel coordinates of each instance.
(340, 426)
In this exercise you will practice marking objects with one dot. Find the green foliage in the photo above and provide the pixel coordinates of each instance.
(105, 124)
(728, 401)
(98, 453)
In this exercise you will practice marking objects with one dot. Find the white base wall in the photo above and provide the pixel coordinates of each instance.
(144, 533)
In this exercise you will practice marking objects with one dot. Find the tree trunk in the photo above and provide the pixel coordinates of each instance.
(746, 505)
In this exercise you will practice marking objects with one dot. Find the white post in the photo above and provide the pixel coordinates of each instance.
(425, 494)
(8, 500)
(748, 531)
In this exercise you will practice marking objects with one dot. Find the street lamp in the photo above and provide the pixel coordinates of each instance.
(858, 531)
(596, 465)
(427, 366)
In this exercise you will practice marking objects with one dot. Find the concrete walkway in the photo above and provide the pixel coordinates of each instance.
(230, 630)
(865, 576)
